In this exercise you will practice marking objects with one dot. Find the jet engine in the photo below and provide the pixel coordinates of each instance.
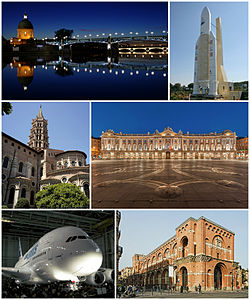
(109, 274)
(101, 276)
(97, 278)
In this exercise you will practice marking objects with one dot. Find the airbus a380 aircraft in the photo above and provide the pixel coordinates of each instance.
(64, 254)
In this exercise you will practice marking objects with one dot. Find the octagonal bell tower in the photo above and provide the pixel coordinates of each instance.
(39, 139)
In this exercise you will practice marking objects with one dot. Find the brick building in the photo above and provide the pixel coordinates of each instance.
(28, 168)
(242, 147)
(201, 252)
(95, 148)
(168, 145)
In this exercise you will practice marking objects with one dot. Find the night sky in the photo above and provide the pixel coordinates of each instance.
(193, 117)
(85, 17)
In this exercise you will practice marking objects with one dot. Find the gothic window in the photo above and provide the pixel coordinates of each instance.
(20, 168)
(5, 162)
(33, 171)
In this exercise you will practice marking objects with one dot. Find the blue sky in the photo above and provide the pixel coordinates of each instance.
(193, 117)
(142, 231)
(68, 123)
(85, 17)
(185, 30)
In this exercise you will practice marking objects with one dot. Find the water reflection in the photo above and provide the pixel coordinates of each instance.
(128, 76)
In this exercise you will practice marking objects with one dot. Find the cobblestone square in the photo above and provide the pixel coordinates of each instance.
(170, 184)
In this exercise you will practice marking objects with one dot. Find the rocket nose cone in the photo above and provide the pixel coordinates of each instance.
(205, 20)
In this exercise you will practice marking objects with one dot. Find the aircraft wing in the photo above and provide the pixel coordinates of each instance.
(16, 273)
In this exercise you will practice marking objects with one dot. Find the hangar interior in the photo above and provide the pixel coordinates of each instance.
(30, 225)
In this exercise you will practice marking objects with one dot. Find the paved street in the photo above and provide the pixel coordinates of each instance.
(169, 184)
(215, 294)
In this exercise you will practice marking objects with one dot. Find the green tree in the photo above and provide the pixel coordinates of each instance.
(62, 195)
(63, 33)
(23, 203)
(6, 108)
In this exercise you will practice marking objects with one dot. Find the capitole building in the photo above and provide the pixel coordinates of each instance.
(26, 169)
(200, 252)
(168, 145)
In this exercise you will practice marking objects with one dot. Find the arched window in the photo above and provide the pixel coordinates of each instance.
(80, 163)
(5, 162)
(20, 168)
(86, 189)
(11, 196)
(52, 167)
(41, 172)
(33, 171)
(73, 163)
(23, 193)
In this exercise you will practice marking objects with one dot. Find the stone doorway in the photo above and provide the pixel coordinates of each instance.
(184, 277)
(168, 155)
(217, 277)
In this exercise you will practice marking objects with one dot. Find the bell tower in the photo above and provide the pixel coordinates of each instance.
(39, 139)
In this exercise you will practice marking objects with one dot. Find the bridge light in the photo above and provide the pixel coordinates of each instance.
(90, 35)
(110, 34)
(90, 71)
(97, 35)
(103, 34)
(85, 69)
(116, 33)
(136, 33)
(122, 71)
(146, 32)
(116, 72)
(97, 70)
(152, 73)
(74, 69)
(74, 37)
(131, 73)
(152, 32)
(85, 36)
(103, 72)
(110, 71)
(131, 32)
(77, 70)
(146, 74)
(78, 35)
(122, 33)
(137, 72)
(164, 74)
(163, 31)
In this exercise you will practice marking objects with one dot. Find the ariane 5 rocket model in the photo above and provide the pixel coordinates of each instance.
(208, 67)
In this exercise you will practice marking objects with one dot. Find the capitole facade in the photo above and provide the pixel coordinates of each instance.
(168, 145)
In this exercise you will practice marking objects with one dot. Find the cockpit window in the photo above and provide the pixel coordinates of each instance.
(73, 238)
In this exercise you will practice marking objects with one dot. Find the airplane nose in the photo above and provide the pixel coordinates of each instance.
(87, 263)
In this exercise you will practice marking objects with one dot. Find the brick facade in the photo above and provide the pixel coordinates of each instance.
(201, 252)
